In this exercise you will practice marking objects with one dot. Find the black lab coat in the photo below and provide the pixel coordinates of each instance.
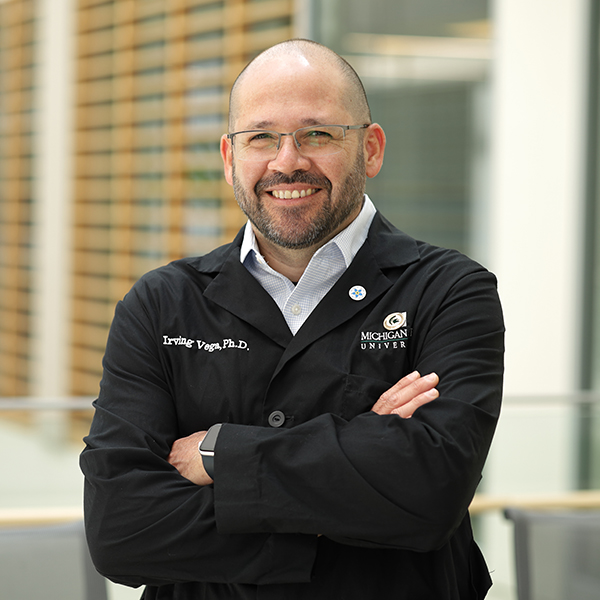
(326, 499)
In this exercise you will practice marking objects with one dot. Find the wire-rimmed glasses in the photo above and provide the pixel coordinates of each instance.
(312, 142)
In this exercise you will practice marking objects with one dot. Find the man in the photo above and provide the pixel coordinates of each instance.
(349, 377)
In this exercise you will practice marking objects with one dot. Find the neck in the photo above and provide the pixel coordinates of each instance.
(290, 262)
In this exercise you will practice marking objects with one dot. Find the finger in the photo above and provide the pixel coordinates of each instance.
(407, 410)
(173, 454)
(412, 385)
(405, 381)
(404, 392)
(386, 401)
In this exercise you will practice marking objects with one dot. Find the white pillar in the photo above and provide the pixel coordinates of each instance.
(535, 249)
(538, 120)
(52, 200)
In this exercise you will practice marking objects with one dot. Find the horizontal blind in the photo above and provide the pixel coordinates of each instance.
(16, 113)
(152, 86)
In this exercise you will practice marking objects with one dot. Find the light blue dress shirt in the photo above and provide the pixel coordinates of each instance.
(327, 265)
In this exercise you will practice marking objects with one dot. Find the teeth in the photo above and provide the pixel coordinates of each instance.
(286, 194)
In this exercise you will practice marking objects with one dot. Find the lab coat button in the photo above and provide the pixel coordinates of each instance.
(276, 418)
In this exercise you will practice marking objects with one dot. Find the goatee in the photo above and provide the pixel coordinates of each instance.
(293, 227)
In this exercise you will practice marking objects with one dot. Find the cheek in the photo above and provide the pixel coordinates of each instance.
(340, 166)
(337, 178)
(246, 175)
(333, 170)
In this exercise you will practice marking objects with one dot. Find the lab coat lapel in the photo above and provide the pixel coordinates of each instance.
(237, 291)
(386, 247)
(338, 306)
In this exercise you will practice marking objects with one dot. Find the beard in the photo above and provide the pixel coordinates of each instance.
(294, 227)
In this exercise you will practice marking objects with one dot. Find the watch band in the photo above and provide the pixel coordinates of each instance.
(207, 449)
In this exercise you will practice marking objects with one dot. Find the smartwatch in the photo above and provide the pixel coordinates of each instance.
(207, 449)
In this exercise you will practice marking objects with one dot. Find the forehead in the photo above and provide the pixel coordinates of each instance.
(290, 92)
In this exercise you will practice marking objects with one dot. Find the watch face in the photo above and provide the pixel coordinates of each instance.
(207, 445)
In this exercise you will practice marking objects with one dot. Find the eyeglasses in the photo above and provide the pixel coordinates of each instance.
(312, 142)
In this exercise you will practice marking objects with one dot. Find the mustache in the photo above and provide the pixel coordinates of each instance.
(295, 177)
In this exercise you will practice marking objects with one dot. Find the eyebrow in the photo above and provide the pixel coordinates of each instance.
(269, 124)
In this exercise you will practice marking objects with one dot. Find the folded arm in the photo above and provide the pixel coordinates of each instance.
(402, 399)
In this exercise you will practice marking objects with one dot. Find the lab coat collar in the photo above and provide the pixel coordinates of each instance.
(237, 291)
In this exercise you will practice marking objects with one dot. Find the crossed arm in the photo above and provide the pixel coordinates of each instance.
(402, 399)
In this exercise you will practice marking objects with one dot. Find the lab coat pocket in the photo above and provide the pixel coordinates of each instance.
(360, 394)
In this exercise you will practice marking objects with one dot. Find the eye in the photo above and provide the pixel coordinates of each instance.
(261, 137)
(322, 136)
(318, 133)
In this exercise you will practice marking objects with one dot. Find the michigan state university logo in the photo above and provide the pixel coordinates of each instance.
(394, 336)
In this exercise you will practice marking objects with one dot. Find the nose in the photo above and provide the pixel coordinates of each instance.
(288, 157)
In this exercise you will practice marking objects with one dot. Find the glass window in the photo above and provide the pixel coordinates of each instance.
(425, 66)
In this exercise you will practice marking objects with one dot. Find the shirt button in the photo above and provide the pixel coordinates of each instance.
(296, 309)
(276, 418)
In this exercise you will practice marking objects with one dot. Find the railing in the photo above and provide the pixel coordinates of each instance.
(482, 503)
(576, 500)
(24, 517)
(30, 403)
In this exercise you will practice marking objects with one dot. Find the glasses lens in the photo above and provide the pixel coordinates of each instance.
(321, 140)
(256, 145)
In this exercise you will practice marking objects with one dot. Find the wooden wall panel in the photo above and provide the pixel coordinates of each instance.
(16, 106)
(152, 84)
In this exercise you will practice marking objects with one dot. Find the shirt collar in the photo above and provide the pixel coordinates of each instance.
(349, 240)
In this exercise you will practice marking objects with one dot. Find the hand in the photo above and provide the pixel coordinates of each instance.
(407, 395)
(184, 456)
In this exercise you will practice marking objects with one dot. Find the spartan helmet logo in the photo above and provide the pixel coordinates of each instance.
(395, 321)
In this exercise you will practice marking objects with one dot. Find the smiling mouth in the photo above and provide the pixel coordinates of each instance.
(289, 194)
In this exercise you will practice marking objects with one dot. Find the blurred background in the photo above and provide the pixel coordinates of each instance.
(111, 113)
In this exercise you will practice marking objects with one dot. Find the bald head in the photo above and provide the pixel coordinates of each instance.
(315, 54)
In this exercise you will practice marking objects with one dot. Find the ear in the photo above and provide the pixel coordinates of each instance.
(374, 149)
(227, 156)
